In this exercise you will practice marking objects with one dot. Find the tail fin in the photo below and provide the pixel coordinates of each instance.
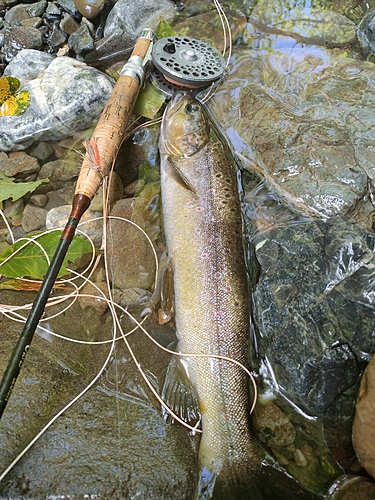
(218, 486)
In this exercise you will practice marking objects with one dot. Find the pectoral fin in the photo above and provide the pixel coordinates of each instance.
(174, 172)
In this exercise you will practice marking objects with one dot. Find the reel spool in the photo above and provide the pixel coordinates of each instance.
(185, 63)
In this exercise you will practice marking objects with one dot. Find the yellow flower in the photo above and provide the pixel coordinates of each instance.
(11, 103)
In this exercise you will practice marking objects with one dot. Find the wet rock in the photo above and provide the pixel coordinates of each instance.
(68, 24)
(32, 22)
(57, 38)
(59, 170)
(18, 38)
(39, 200)
(89, 8)
(270, 418)
(13, 211)
(132, 298)
(366, 31)
(70, 7)
(29, 64)
(34, 218)
(99, 292)
(37, 9)
(43, 151)
(309, 25)
(130, 257)
(16, 14)
(314, 310)
(7, 3)
(18, 164)
(112, 48)
(133, 17)
(81, 40)
(65, 96)
(90, 224)
(207, 26)
(289, 123)
(114, 194)
(113, 442)
(349, 487)
(363, 425)
(53, 9)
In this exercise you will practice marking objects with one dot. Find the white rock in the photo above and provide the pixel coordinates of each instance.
(65, 95)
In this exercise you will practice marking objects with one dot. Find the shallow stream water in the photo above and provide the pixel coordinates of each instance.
(113, 442)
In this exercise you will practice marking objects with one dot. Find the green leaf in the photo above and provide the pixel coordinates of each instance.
(163, 30)
(31, 261)
(13, 190)
(24, 285)
(149, 101)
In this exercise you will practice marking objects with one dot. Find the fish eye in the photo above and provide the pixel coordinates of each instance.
(191, 108)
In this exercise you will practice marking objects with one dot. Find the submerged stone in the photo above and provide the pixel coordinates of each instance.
(314, 304)
(301, 118)
(307, 24)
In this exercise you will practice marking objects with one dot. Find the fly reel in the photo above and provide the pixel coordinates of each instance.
(185, 63)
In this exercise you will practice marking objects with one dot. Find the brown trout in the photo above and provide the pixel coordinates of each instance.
(203, 230)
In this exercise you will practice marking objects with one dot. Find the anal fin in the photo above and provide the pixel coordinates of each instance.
(178, 393)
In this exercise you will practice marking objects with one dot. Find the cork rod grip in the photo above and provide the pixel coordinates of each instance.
(109, 131)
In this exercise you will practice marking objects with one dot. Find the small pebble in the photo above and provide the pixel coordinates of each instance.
(89, 8)
(39, 200)
(68, 24)
(300, 458)
(34, 218)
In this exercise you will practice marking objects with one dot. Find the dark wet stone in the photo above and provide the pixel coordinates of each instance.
(366, 31)
(81, 40)
(32, 22)
(7, 3)
(37, 9)
(44, 151)
(70, 7)
(68, 24)
(112, 48)
(53, 9)
(314, 310)
(113, 442)
(18, 38)
(90, 8)
(58, 37)
(132, 17)
(16, 14)
(349, 487)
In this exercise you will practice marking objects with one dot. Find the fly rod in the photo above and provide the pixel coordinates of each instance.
(101, 152)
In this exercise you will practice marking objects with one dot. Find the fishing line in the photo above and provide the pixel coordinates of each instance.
(71, 403)
(7, 225)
